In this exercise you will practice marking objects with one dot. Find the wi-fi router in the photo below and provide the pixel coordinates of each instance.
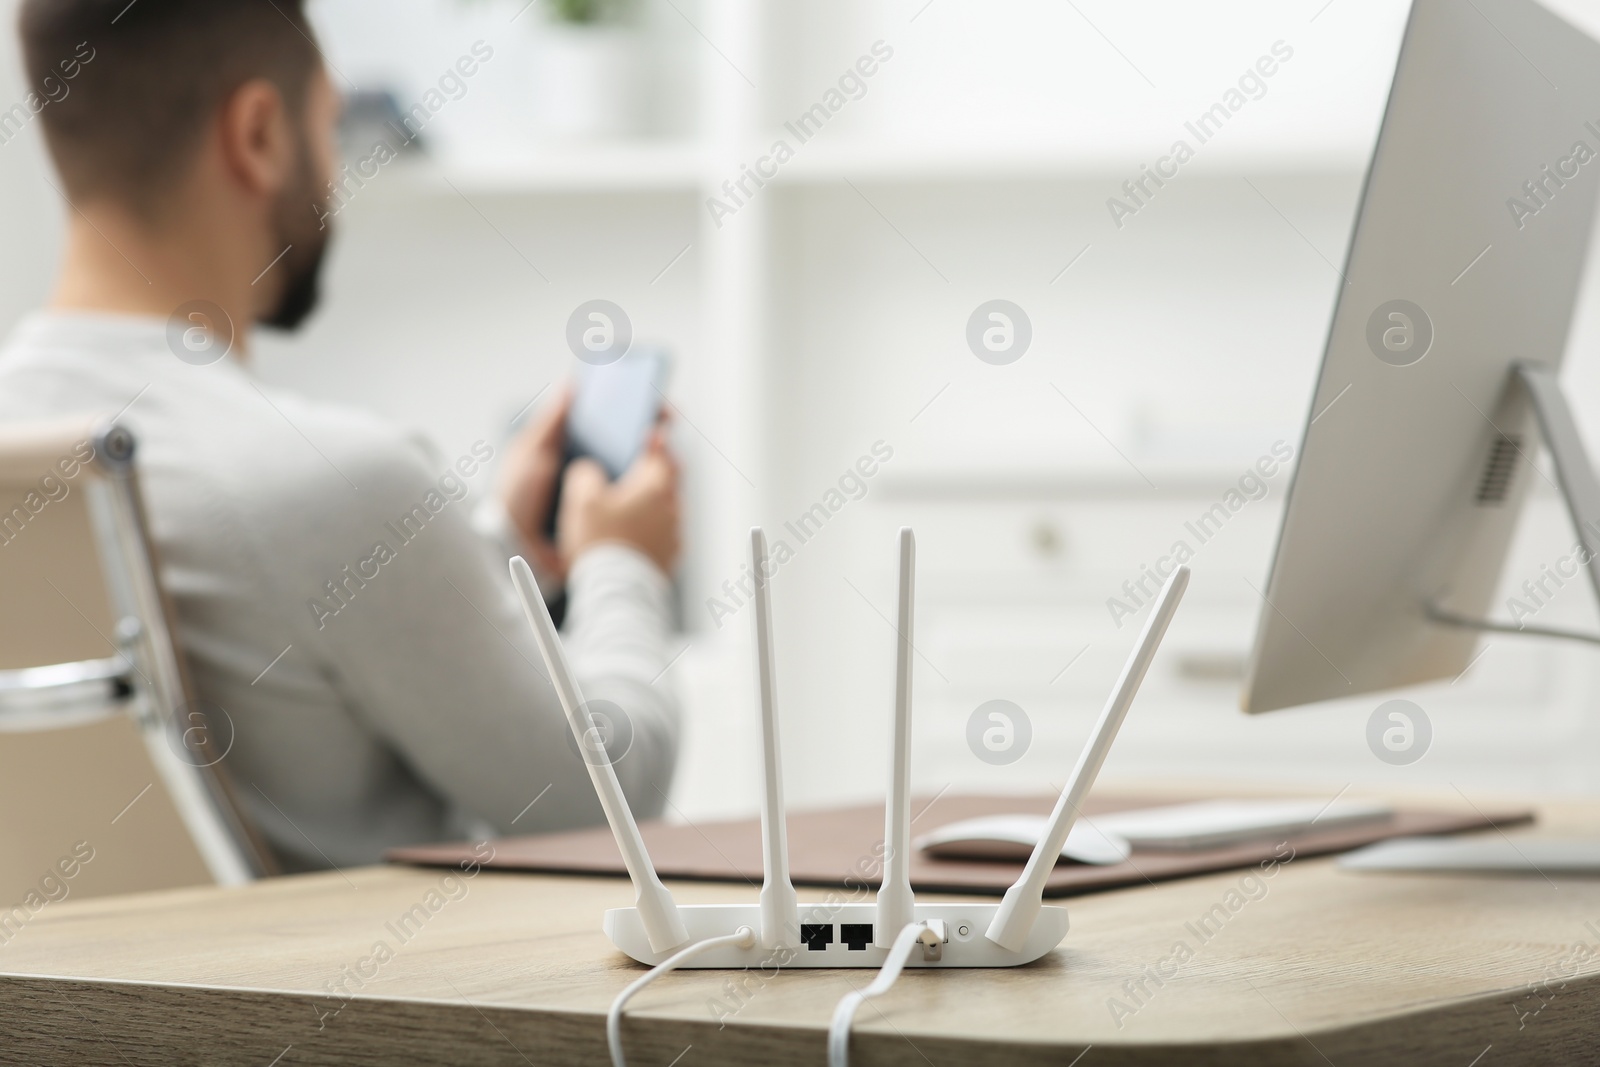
(1017, 930)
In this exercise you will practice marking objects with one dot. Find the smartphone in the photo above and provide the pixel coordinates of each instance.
(614, 409)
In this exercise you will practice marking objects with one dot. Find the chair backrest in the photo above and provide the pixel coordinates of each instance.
(104, 750)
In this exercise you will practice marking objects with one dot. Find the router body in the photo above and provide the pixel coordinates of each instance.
(1016, 930)
(825, 927)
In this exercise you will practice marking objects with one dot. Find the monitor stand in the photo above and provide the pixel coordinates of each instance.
(1575, 477)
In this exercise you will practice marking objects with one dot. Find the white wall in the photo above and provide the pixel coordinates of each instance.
(977, 166)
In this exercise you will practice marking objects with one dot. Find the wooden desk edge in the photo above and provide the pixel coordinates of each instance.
(53, 1018)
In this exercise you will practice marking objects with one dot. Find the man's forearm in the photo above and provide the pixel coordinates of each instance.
(618, 635)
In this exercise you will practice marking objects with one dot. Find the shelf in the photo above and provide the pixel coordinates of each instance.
(936, 163)
(640, 166)
(1074, 484)
(687, 167)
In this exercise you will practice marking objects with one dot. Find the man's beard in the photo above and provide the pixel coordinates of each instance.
(299, 227)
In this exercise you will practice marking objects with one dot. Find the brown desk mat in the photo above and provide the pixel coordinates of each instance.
(839, 847)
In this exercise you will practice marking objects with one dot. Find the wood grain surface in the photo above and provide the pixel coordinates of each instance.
(1302, 965)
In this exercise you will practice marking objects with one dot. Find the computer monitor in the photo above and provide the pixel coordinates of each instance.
(1438, 380)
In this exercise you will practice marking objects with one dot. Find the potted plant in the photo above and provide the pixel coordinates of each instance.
(588, 70)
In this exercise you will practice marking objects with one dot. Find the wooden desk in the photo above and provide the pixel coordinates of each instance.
(1321, 967)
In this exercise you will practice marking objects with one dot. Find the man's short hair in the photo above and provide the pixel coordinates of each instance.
(137, 112)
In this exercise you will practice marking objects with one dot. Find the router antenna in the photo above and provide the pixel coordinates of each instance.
(780, 907)
(895, 900)
(1015, 917)
(657, 910)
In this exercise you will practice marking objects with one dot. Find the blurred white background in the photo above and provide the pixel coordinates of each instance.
(829, 313)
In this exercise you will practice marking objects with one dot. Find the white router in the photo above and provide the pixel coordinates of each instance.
(1017, 930)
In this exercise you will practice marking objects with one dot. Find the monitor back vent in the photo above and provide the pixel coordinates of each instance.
(1495, 482)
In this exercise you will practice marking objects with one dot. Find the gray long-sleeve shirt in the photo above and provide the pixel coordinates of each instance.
(406, 700)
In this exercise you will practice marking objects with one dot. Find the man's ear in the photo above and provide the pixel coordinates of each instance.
(257, 143)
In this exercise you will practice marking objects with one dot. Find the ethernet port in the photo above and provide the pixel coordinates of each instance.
(817, 936)
(856, 936)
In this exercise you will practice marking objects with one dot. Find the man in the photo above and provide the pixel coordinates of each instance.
(332, 594)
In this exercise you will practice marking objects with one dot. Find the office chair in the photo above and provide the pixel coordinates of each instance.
(104, 749)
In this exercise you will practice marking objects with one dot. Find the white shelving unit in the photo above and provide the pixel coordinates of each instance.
(827, 313)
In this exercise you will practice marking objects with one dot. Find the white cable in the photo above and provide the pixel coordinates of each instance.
(899, 954)
(744, 937)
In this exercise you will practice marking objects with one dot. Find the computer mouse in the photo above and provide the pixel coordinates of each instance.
(1013, 837)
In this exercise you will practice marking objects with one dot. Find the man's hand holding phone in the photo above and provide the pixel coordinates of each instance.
(639, 509)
